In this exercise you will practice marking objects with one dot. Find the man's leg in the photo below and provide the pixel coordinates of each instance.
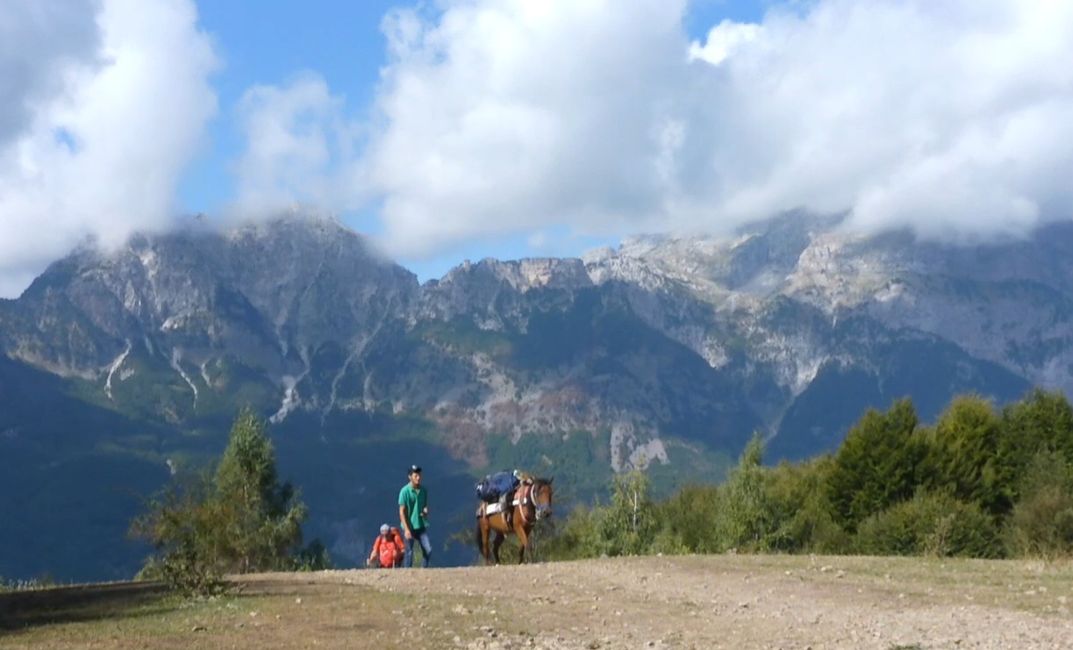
(426, 548)
(408, 556)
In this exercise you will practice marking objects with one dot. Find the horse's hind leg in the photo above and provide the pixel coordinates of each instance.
(482, 539)
(496, 544)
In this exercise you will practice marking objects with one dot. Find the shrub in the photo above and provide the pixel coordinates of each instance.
(184, 525)
(239, 519)
(687, 519)
(1041, 524)
(934, 524)
(667, 542)
(579, 536)
(26, 584)
(628, 525)
(744, 516)
(803, 520)
(314, 557)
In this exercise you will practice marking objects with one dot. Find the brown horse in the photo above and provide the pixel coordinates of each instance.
(532, 502)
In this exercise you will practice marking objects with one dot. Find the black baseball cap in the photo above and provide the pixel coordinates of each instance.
(414, 469)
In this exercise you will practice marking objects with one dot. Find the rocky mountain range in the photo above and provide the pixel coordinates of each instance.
(118, 369)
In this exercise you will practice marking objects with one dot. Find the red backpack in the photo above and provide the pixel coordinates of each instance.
(389, 548)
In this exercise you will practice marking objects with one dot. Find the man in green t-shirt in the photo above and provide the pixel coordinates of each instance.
(413, 515)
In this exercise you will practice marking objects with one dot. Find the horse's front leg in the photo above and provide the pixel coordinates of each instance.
(523, 540)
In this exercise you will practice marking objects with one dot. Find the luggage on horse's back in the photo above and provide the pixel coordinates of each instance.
(491, 487)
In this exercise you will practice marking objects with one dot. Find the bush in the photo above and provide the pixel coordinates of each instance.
(933, 524)
(30, 584)
(314, 557)
(186, 572)
(580, 536)
(628, 525)
(239, 519)
(687, 519)
(803, 519)
(1041, 524)
(184, 525)
(744, 517)
(667, 542)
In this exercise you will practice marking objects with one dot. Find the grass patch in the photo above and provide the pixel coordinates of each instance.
(266, 613)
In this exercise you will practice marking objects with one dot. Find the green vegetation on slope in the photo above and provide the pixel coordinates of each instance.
(979, 483)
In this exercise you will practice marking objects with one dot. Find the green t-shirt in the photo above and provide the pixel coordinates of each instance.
(415, 502)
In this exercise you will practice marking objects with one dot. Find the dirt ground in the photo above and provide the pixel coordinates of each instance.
(725, 601)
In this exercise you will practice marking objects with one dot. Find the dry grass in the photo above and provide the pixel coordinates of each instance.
(288, 613)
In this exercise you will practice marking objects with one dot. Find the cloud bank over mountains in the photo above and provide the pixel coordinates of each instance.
(952, 118)
(508, 117)
(106, 119)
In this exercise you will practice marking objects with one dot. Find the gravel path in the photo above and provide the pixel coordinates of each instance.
(718, 601)
(734, 601)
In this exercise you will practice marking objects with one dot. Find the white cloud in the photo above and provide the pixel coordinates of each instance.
(299, 148)
(508, 116)
(722, 40)
(954, 118)
(933, 115)
(110, 127)
(38, 40)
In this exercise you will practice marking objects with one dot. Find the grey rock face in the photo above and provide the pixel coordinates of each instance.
(1003, 303)
(714, 336)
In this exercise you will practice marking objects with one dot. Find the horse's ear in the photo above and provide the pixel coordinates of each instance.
(551, 480)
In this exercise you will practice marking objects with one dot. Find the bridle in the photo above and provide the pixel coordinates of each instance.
(530, 498)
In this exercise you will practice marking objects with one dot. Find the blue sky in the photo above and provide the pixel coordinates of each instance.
(459, 129)
(274, 40)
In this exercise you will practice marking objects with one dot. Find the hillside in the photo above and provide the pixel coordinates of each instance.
(726, 601)
(120, 369)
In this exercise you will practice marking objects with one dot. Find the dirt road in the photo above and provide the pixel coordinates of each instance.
(746, 602)
(726, 601)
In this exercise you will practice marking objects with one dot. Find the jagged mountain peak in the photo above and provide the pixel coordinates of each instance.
(308, 227)
(523, 274)
(267, 288)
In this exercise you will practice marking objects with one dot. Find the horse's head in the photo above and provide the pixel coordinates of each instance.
(541, 497)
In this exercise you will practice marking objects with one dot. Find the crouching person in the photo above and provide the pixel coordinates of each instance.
(388, 549)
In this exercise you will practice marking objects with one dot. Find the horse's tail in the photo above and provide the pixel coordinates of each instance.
(479, 537)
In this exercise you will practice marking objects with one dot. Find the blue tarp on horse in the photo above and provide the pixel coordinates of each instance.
(491, 487)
